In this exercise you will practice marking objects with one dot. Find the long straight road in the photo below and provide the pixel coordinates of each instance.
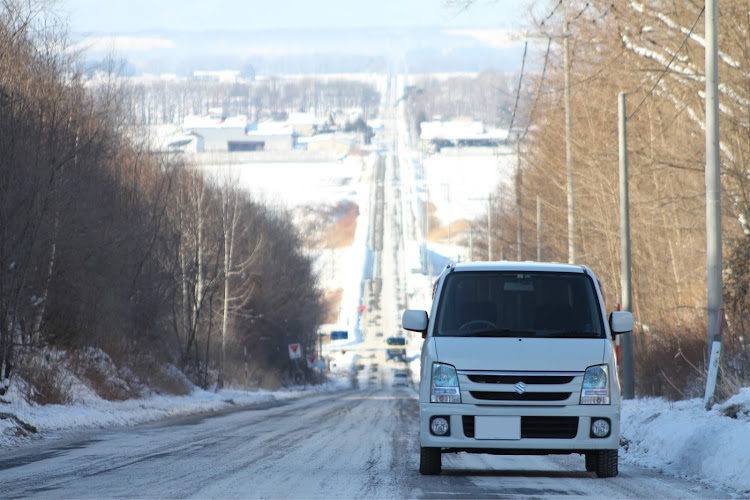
(352, 444)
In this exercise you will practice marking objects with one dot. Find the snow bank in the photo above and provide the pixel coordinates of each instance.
(684, 439)
(99, 413)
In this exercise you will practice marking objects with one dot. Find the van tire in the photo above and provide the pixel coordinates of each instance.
(430, 461)
(606, 463)
(591, 461)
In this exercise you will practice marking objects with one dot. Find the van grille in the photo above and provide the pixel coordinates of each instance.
(535, 427)
(516, 378)
(528, 388)
(514, 396)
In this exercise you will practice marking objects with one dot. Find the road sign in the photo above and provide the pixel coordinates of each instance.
(339, 335)
(295, 351)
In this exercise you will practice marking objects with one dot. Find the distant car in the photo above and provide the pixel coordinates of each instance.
(400, 379)
(396, 349)
(379, 334)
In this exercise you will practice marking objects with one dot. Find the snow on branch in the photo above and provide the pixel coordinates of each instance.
(670, 23)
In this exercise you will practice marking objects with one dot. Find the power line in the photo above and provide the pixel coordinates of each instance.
(582, 11)
(611, 6)
(546, 59)
(539, 89)
(674, 56)
(518, 92)
(551, 13)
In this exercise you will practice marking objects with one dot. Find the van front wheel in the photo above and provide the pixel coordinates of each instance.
(606, 463)
(591, 457)
(430, 463)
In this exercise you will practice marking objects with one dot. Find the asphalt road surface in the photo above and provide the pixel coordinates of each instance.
(353, 444)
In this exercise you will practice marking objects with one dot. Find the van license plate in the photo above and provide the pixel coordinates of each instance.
(497, 427)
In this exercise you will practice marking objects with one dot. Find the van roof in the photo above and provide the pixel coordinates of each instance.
(519, 266)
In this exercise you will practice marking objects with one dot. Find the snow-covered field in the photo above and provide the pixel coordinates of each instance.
(460, 181)
(677, 438)
(293, 184)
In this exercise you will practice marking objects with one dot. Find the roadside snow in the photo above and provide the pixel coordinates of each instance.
(684, 439)
(99, 413)
(678, 438)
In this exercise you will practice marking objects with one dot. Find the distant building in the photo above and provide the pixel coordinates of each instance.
(459, 133)
(168, 139)
(186, 143)
(266, 136)
(226, 76)
(341, 143)
(305, 124)
(235, 133)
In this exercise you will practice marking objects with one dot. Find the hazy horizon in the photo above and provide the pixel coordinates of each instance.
(134, 16)
(297, 36)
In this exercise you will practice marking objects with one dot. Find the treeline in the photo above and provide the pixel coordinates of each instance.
(104, 245)
(165, 102)
(655, 53)
(488, 97)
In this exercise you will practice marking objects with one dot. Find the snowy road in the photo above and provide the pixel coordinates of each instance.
(348, 444)
(352, 444)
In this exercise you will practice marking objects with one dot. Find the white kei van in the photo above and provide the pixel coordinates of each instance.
(518, 359)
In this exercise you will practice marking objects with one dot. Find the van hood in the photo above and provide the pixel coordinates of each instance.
(519, 354)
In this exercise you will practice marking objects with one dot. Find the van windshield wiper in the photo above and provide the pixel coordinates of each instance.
(503, 332)
(574, 334)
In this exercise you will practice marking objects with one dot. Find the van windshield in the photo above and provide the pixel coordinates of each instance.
(519, 304)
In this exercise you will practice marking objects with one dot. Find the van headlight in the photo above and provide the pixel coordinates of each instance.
(595, 390)
(444, 387)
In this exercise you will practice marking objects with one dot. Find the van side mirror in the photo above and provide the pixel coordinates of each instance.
(415, 320)
(621, 322)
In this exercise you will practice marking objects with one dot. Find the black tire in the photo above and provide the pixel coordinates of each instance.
(591, 461)
(606, 463)
(430, 461)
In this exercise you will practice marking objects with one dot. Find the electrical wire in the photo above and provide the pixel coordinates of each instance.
(669, 64)
(582, 11)
(551, 13)
(539, 89)
(518, 91)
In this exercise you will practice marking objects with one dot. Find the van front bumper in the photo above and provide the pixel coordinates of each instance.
(543, 430)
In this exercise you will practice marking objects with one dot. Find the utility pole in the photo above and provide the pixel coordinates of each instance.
(713, 181)
(625, 281)
(471, 243)
(489, 227)
(713, 200)
(569, 153)
(425, 225)
(519, 222)
(538, 229)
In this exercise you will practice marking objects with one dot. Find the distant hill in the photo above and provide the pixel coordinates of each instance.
(290, 51)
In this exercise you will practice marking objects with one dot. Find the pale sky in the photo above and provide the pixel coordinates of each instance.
(128, 16)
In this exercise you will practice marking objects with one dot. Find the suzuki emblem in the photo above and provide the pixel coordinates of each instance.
(520, 388)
